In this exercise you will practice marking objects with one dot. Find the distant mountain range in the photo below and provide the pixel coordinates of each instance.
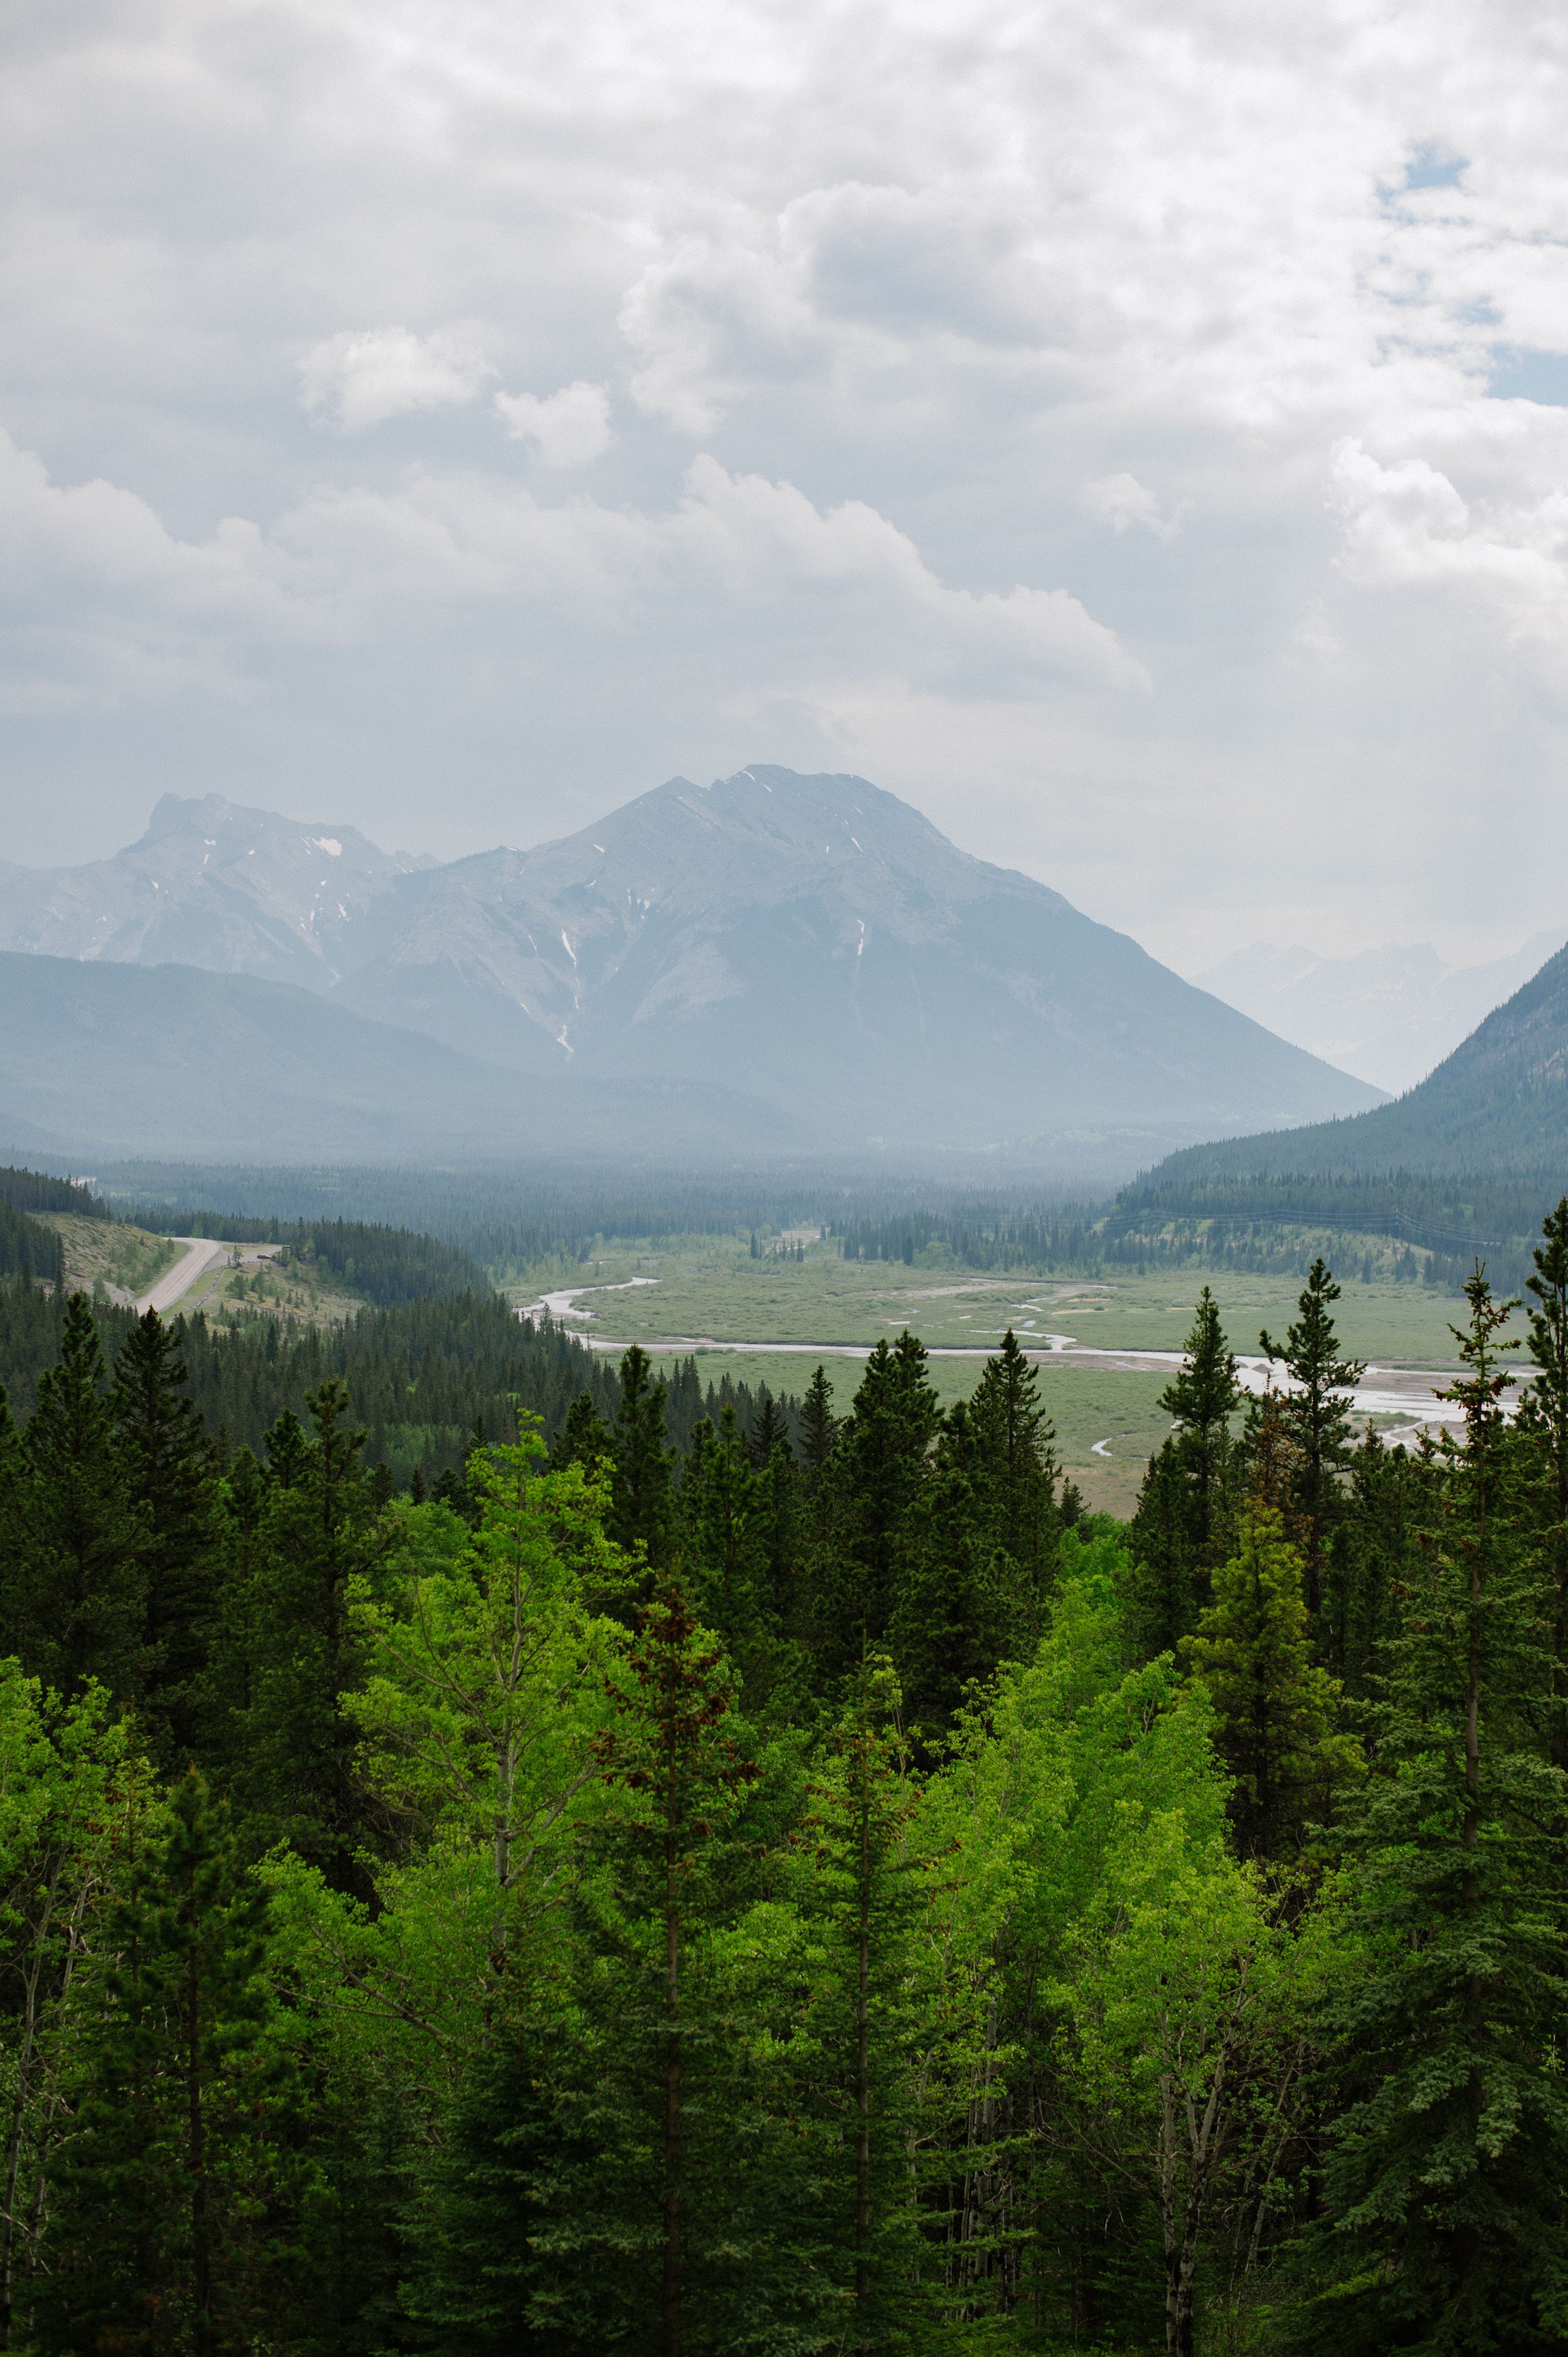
(770, 959)
(1390, 1015)
(1498, 1103)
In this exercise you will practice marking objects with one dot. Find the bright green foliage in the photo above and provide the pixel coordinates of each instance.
(1275, 1711)
(1317, 1416)
(1449, 2175)
(172, 2186)
(66, 1777)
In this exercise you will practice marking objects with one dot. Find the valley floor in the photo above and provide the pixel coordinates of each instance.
(1106, 1350)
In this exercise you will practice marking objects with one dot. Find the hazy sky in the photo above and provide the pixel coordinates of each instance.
(1135, 433)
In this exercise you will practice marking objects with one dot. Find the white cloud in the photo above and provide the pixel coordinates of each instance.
(570, 428)
(363, 377)
(1122, 500)
(873, 294)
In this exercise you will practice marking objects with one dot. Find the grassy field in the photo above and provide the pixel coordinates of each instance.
(704, 1295)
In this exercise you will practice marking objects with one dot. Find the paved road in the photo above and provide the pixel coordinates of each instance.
(200, 1254)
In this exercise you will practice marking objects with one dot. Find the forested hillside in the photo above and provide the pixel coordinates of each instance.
(779, 1885)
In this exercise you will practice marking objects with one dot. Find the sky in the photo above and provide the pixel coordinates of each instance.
(1136, 433)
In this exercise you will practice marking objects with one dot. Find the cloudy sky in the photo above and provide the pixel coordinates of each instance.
(1137, 434)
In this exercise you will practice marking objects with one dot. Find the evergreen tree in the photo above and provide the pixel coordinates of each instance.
(1545, 1418)
(1275, 1709)
(961, 1605)
(169, 2193)
(865, 1886)
(1014, 1455)
(1182, 1524)
(289, 1745)
(876, 1472)
(81, 1602)
(722, 1504)
(1317, 1417)
(642, 1515)
(1449, 2181)
(769, 1430)
(585, 1438)
(165, 1463)
(818, 1426)
(673, 1754)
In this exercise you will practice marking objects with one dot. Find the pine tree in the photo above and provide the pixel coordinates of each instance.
(961, 1604)
(289, 1746)
(878, 1468)
(1317, 1417)
(673, 1754)
(81, 1606)
(1546, 1417)
(1015, 1471)
(722, 1504)
(585, 1438)
(165, 1463)
(1202, 1402)
(1449, 2181)
(818, 1426)
(866, 1894)
(1182, 1522)
(170, 2192)
(1275, 1710)
(643, 1512)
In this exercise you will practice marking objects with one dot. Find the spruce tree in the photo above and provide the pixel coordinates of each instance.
(878, 1468)
(1316, 1415)
(81, 1601)
(1015, 1471)
(818, 1426)
(165, 1463)
(585, 1438)
(1448, 2183)
(1544, 1417)
(961, 1601)
(170, 2197)
(1183, 1521)
(290, 1745)
(1275, 1710)
(643, 1512)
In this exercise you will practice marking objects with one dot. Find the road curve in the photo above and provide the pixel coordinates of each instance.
(201, 1253)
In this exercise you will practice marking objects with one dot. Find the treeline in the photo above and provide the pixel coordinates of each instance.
(791, 1894)
(422, 1376)
(29, 1249)
(513, 1220)
(380, 1264)
(977, 1236)
(35, 1190)
(1175, 1216)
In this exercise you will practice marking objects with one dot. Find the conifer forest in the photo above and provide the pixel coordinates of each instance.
(709, 1877)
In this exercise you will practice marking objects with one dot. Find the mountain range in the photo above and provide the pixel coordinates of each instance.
(1498, 1103)
(803, 959)
(1390, 1015)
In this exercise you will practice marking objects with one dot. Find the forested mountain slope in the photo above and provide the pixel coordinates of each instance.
(1498, 1103)
(811, 940)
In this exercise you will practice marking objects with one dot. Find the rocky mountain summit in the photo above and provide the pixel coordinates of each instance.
(812, 942)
